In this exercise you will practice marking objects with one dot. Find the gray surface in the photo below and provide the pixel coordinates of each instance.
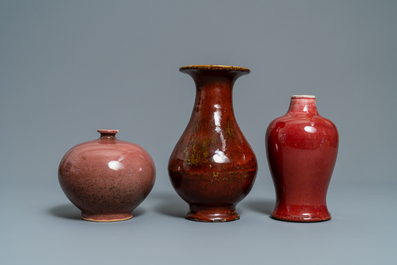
(46, 229)
(68, 68)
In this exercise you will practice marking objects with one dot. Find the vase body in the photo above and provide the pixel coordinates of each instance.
(106, 178)
(212, 167)
(301, 149)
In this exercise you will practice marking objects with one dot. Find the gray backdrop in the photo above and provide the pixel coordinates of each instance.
(68, 68)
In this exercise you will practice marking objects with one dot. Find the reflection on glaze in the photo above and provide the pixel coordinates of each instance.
(115, 165)
(310, 129)
(220, 157)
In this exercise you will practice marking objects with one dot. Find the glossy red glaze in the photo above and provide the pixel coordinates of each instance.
(212, 166)
(106, 178)
(301, 149)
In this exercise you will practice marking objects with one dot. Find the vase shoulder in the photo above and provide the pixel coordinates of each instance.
(305, 123)
(302, 119)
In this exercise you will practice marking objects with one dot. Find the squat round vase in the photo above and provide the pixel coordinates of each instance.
(212, 166)
(106, 178)
(301, 150)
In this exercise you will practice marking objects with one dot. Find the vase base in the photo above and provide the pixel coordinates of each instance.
(106, 217)
(300, 219)
(218, 214)
(301, 213)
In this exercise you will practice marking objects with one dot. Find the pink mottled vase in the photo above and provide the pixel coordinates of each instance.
(301, 149)
(106, 178)
(213, 166)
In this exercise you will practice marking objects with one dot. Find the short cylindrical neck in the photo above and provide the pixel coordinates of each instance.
(107, 134)
(303, 104)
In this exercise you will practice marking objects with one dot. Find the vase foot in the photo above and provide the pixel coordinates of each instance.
(212, 214)
(106, 217)
(300, 219)
(301, 213)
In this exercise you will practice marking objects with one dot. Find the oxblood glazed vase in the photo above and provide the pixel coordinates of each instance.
(212, 166)
(106, 178)
(301, 149)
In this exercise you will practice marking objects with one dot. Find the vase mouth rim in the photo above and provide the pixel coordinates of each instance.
(108, 131)
(218, 67)
(303, 96)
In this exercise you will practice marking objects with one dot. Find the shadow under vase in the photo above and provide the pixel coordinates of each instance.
(171, 205)
(69, 211)
(264, 206)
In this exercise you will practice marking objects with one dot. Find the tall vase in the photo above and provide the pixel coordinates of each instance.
(212, 166)
(301, 149)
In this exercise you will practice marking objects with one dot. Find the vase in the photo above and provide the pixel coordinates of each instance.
(301, 149)
(212, 167)
(106, 178)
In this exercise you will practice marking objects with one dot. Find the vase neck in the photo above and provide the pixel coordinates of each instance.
(214, 85)
(107, 134)
(213, 99)
(303, 104)
(214, 92)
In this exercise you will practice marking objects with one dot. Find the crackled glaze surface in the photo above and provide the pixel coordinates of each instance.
(106, 178)
(301, 149)
(212, 166)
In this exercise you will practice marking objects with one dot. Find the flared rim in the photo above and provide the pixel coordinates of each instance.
(214, 67)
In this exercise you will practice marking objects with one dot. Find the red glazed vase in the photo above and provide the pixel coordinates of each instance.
(301, 149)
(212, 166)
(106, 178)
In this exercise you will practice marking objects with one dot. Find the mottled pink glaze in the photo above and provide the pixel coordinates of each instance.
(106, 178)
(301, 149)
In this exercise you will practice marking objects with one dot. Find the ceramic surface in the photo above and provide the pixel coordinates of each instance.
(301, 149)
(212, 166)
(106, 178)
